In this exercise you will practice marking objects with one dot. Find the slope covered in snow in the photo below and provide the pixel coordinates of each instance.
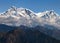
(22, 16)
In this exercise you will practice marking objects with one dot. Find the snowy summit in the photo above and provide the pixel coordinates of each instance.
(22, 16)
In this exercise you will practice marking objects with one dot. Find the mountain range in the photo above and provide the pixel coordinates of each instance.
(47, 22)
(23, 16)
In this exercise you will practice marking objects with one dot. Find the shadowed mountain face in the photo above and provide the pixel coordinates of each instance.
(25, 34)
(6, 28)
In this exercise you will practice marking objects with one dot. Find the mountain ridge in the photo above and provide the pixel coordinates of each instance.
(50, 26)
(22, 16)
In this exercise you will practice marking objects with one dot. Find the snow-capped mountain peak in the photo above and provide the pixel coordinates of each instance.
(13, 7)
(48, 14)
(22, 16)
(18, 12)
(52, 13)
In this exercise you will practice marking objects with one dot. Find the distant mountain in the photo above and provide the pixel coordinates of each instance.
(47, 22)
(22, 16)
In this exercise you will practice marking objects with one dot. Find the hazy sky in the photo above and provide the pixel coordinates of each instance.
(34, 5)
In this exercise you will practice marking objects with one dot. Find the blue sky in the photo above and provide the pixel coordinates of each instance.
(34, 5)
